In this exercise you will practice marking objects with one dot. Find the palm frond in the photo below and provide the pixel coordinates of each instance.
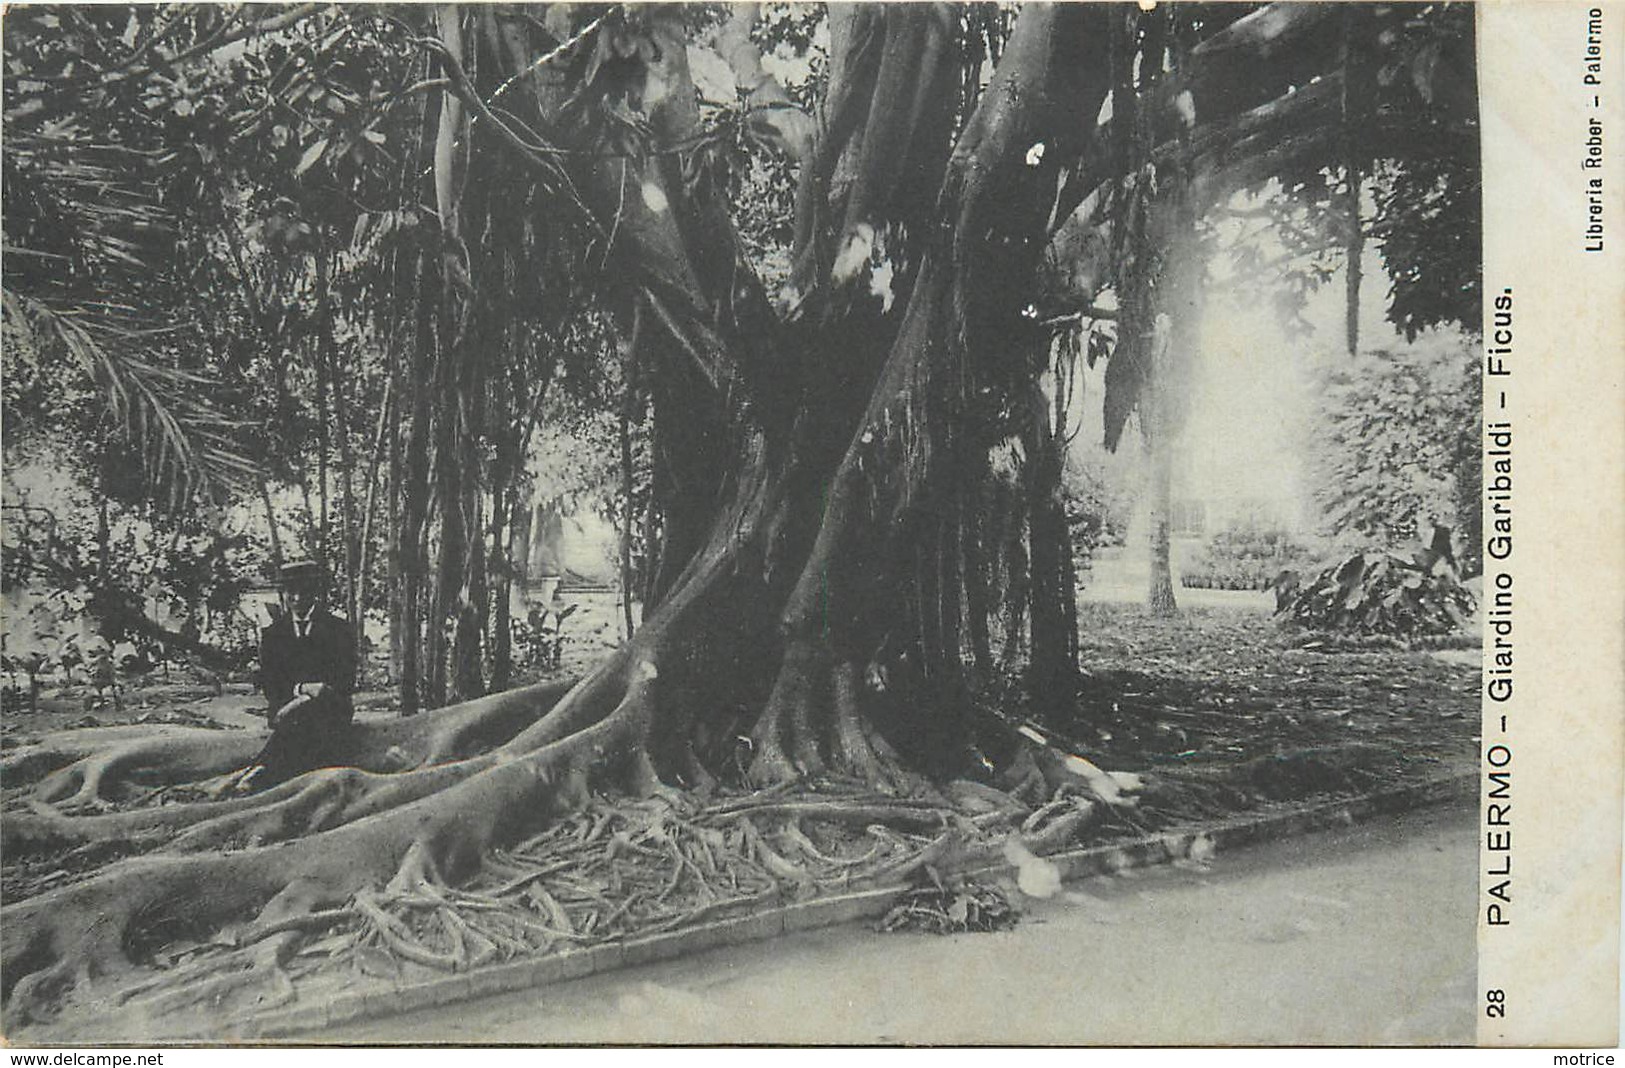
(188, 445)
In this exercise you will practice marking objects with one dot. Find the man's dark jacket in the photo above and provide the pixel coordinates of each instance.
(325, 655)
(315, 733)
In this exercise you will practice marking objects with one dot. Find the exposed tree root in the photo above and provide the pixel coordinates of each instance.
(73, 768)
(159, 755)
(812, 726)
(91, 772)
(452, 843)
(450, 813)
(450, 882)
(35, 760)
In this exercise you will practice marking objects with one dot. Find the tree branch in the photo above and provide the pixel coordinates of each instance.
(223, 37)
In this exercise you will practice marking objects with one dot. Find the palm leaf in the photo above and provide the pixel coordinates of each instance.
(87, 237)
(187, 444)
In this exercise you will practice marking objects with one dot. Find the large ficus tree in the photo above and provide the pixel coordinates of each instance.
(816, 444)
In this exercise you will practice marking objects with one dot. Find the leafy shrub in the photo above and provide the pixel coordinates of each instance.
(539, 637)
(1098, 508)
(1245, 557)
(1378, 592)
(1399, 444)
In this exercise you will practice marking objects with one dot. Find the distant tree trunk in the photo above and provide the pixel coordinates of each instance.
(415, 504)
(324, 402)
(499, 587)
(393, 534)
(1355, 97)
(104, 541)
(1066, 564)
(473, 604)
(1354, 253)
(364, 554)
(502, 543)
(271, 524)
(1174, 349)
(652, 524)
(628, 400)
(331, 385)
(313, 537)
(978, 599)
(506, 477)
(448, 567)
(523, 533)
(1159, 310)
(1160, 594)
(1049, 671)
(1017, 579)
(410, 341)
(353, 525)
(1161, 415)
(449, 575)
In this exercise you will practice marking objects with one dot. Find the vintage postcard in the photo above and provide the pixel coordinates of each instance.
(896, 524)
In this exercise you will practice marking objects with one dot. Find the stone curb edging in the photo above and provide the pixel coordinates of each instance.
(389, 999)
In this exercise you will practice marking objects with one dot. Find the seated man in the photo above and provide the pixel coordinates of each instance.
(307, 670)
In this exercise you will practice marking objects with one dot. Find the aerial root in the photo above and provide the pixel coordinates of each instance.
(273, 819)
(460, 731)
(419, 919)
(148, 825)
(642, 781)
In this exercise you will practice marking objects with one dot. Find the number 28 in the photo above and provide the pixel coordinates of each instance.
(1495, 1004)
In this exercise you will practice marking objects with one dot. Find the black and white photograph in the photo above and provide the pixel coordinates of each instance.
(802, 524)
